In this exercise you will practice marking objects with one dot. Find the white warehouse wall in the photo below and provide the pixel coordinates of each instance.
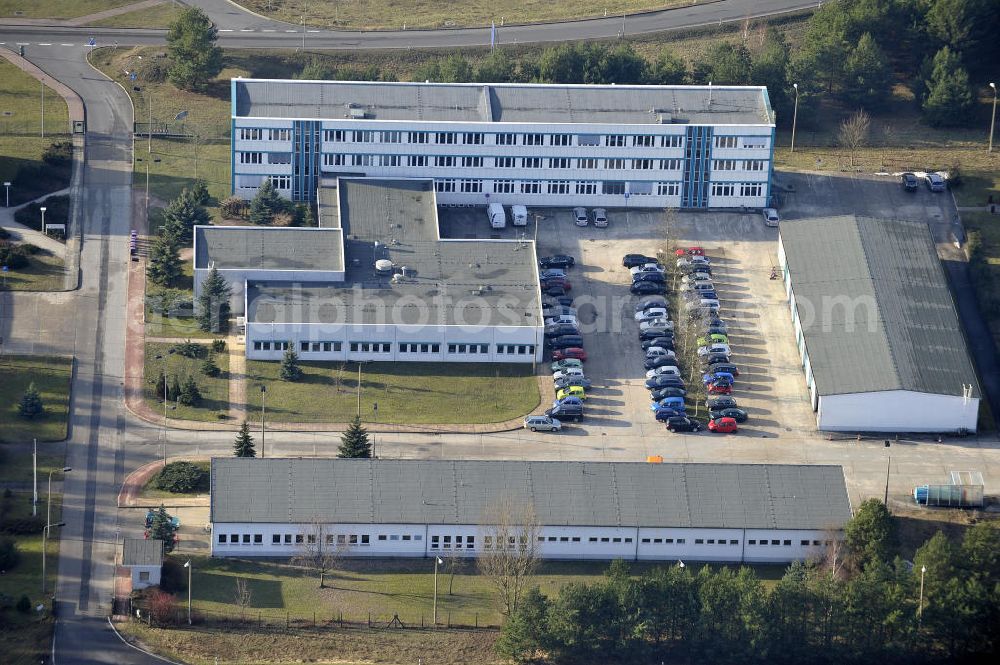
(897, 411)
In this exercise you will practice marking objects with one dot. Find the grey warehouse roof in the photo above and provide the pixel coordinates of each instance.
(267, 248)
(885, 275)
(347, 491)
(142, 552)
(502, 102)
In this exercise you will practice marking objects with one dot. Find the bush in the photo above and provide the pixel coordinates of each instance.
(190, 349)
(23, 526)
(13, 256)
(218, 345)
(180, 478)
(161, 607)
(4, 234)
(233, 207)
(23, 605)
(209, 367)
(173, 577)
(9, 556)
(59, 154)
(199, 191)
(283, 219)
(32, 249)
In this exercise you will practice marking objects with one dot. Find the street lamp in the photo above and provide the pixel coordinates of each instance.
(795, 114)
(163, 438)
(680, 563)
(374, 421)
(187, 564)
(920, 605)
(7, 185)
(993, 118)
(888, 465)
(437, 560)
(263, 391)
(45, 538)
(48, 509)
(43, 209)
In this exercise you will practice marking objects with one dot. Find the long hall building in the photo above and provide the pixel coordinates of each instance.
(612, 146)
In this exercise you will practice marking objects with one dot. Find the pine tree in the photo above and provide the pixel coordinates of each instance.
(174, 393)
(244, 442)
(290, 370)
(194, 57)
(867, 76)
(354, 441)
(265, 204)
(190, 394)
(161, 527)
(949, 100)
(213, 303)
(31, 405)
(164, 263)
(209, 367)
(182, 214)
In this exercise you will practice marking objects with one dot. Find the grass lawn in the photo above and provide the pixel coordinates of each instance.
(158, 325)
(214, 390)
(51, 376)
(406, 393)
(16, 467)
(45, 272)
(150, 491)
(160, 16)
(56, 8)
(392, 14)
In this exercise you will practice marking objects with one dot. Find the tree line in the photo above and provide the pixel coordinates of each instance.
(855, 604)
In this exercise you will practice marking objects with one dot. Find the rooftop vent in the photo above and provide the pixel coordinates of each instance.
(356, 111)
(383, 266)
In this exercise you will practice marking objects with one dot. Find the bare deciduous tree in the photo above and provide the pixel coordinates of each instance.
(242, 596)
(853, 133)
(455, 562)
(831, 557)
(319, 551)
(509, 555)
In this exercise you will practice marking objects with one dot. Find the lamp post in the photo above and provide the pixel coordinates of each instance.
(437, 560)
(43, 209)
(43, 108)
(263, 392)
(920, 605)
(48, 497)
(45, 539)
(163, 437)
(993, 118)
(187, 564)
(374, 421)
(6, 184)
(888, 465)
(795, 114)
(680, 563)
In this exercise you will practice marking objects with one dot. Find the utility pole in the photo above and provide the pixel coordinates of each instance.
(920, 605)
(43, 109)
(359, 389)
(263, 392)
(993, 118)
(888, 465)
(34, 468)
(437, 560)
(795, 114)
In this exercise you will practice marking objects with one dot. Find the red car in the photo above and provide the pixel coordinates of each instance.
(556, 281)
(571, 352)
(723, 425)
(690, 251)
(720, 388)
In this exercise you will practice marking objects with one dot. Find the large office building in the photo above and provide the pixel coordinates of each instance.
(532, 144)
(881, 343)
(582, 510)
(376, 281)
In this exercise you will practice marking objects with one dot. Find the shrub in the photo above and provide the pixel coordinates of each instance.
(283, 219)
(32, 249)
(209, 367)
(13, 256)
(173, 577)
(9, 556)
(189, 349)
(23, 526)
(58, 154)
(180, 478)
(218, 345)
(4, 234)
(199, 191)
(161, 606)
(23, 605)
(233, 207)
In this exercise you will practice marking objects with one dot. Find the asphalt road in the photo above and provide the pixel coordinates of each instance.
(240, 29)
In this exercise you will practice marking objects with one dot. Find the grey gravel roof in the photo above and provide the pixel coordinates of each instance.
(346, 491)
(142, 552)
(906, 334)
(501, 102)
(268, 248)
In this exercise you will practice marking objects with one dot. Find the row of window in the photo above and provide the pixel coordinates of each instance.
(478, 161)
(310, 538)
(750, 142)
(638, 188)
(739, 164)
(404, 347)
(503, 138)
(259, 134)
(737, 189)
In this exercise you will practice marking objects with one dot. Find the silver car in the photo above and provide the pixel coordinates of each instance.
(580, 215)
(600, 216)
(542, 423)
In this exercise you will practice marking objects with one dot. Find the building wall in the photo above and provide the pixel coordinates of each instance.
(637, 166)
(897, 411)
(554, 542)
(264, 342)
(151, 573)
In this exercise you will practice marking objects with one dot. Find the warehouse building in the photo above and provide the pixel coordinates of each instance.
(376, 281)
(879, 336)
(583, 510)
(512, 143)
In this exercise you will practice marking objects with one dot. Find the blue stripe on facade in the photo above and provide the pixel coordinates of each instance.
(694, 192)
(770, 167)
(305, 159)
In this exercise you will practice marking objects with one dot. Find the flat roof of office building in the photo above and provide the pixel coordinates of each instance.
(267, 248)
(502, 102)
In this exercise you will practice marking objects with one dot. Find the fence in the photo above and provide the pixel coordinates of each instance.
(32, 127)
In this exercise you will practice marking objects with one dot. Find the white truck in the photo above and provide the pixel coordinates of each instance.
(519, 215)
(497, 215)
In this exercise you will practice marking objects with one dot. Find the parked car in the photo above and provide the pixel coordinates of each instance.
(714, 348)
(691, 295)
(696, 260)
(664, 341)
(566, 342)
(560, 329)
(566, 411)
(564, 364)
(910, 182)
(670, 370)
(683, 424)
(935, 182)
(647, 303)
(571, 380)
(714, 359)
(647, 267)
(695, 313)
(600, 217)
(703, 286)
(571, 391)
(739, 415)
(720, 387)
(697, 267)
(580, 216)
(649, 277)
(651, 314)
(561, 320)
(728, 368)
(653, 333)
(550, 310)
(716, 403)
(549, 273)
(549, 282)
(661, 323)
(654, 363)
(632, 260)
(676, 403)
(553, 291)
(572, 352)
(663, 415)
(570, 400)
(710, 304)
(668, 391)
(713, 338)
(715, 328)
(723, 425)
(542, 423)
(659, 352)
(770, 216)
(689, 251)
(665, 381)
(713, 377)
(568, 371)
(696, 277)
(564, 301)
(646, 288)
(557, 261)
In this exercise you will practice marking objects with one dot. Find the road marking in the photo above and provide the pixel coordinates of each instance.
(246, 29)
(291, 30)
(44, 44)
(24, 43)
(225, 30)
(65, 45)
(268, 30)
(312, 30)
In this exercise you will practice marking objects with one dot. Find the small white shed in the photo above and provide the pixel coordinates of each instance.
(144, 559)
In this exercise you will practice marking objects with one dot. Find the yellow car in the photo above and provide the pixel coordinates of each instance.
(571, 391)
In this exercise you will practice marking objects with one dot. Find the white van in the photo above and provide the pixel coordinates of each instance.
(498, 218)
(519, 214)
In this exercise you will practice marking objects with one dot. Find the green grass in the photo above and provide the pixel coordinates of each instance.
(45, 272)
(51, 376)
(56, 8)
(21, 98)
(17, 467)
(158, 325)
(150, 491)
(406, 393)
(160, 16)
(214, 390)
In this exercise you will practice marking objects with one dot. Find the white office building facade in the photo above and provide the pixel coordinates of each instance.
(539, 145)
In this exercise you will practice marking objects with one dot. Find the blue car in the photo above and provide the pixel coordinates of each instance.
(712, 377)
(676, 403)
(568, 401)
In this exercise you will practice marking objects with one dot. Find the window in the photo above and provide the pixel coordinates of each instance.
(534, 139)
(276, 539)
(444, 185)
(407, 537)
(389, 137)
(751, 542)
(258, 539)
(281, 181)
(353, 539)
(559, 162)
(699, 541)
(628, 540)
(444, 160)
(816, 543)
(361, 160)
(390, 160)
(530, 188)
(234, 538)
(668, 188)
(472, 162)
(503, 186)
(251, 157)
(280, 134)
(614, 187)
(143, 575)
(382, 536)
(472, 139)
(614, 141)
(643, 141)
(261, 346)
(616, 540)
(754, 165)
(470, 542)
(311, 538)
(222, 537)
(723, 164)
(558, 187)
(681, 541)
(333, 135)
(416, 160)
(506, 139)
(506, 162)
(670, 164)
(668, 541)
(675, 141)
(617, 163)
(341, 539)
(592, 539)
(561, 139)
(586, 163)
(605, 540)
(336, 159)
(754, 142)
(364, 136)
(250, 134)
(576, 539)
(723, 189)
(552, 539)
(642, 164)
(416, 137)
(752, 189)
(732, 542)
(586, 188)
(804, 543)
(645, 540)
(563, 539)
(787, 543)
(531, 162)
(444, 138)
(588, 139)
(775, 542)
(470, 186)
(371, 347)
(329, 539)
(288, 539)
(726, 141)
